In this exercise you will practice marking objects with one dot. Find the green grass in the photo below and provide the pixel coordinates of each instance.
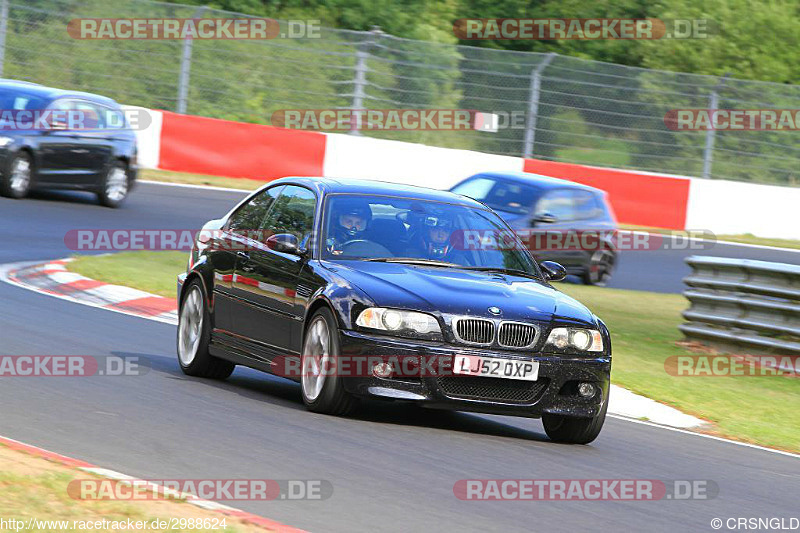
(154, 272)
(644, 331)
(33, 487)
(167, 176)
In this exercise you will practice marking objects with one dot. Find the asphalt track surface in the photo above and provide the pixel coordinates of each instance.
(392, 467)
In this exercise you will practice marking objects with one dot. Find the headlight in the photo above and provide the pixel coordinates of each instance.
(571, 339)
(5, 141)
(399, 322)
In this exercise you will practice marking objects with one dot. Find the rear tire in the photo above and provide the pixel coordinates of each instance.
(600, 268)
(16, 181)
(115, 185)
(194, 336)
(323, 393)
(574, 430)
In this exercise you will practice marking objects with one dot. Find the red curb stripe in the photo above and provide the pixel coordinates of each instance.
(83, 284)
(44, 454)
(77, 463)
(149, 305)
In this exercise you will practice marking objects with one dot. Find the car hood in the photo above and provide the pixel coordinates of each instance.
(460, 292)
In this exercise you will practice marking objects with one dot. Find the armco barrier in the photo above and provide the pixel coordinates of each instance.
(750, 305)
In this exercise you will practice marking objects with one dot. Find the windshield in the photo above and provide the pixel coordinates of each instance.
(500, 195)
(18, 101)
(402, 229)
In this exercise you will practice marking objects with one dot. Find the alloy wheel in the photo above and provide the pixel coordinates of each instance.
(315, 359)
(190, 326)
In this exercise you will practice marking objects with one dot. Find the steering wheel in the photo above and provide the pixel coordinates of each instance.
(364, 247)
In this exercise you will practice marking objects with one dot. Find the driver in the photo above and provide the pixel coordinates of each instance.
(436, 232)
(350, 219)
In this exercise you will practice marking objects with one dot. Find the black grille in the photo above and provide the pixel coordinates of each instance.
(492, 389)
(475, 330)
(514, 335)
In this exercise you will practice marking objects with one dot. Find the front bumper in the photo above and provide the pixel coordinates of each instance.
(554, 392)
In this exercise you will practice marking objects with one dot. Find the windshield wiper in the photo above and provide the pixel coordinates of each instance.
(503, 270)
(412, 261)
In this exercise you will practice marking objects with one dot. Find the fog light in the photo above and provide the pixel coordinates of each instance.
(586, 390)
(382, 370)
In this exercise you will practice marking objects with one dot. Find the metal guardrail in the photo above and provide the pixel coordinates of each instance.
(751, 305)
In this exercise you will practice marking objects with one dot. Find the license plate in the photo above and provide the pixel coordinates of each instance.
(496, 368)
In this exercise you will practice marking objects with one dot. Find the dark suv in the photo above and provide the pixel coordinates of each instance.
(52, 138)
(579, 219)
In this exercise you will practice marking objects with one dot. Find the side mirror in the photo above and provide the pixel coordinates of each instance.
(544, 218)
(285, 243)
(553, 271)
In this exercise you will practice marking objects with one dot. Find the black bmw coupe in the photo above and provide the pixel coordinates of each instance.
(361, 289)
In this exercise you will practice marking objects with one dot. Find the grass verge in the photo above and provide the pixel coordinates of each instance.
(167, 176)
(644, 333)
(36, 488)
(154, 272)
(644, 329)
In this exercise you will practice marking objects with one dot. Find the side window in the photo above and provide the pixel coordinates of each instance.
(250, 217)
(586, 205)
(89, 116)
(114, 119)
(510, 196)
(61, 104)
(61, 119)
(559, 203)
(293, 213)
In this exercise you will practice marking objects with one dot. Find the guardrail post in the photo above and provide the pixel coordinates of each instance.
(533, 104)
(708, 153)
(186, 66)
(3, 33)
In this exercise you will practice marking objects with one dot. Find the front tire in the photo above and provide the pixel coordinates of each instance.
(115, 185)
(16, 182)
(323, 391)
(194, 336)
(574, 430)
